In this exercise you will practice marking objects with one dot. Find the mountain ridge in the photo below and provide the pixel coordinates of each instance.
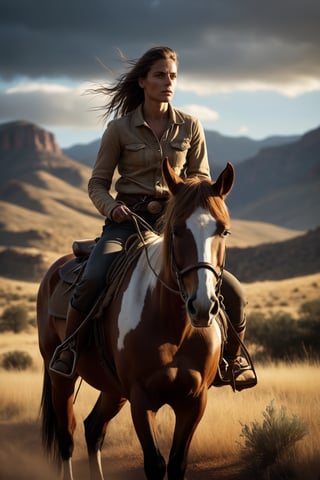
(280, 184)
(221, 148)
(45, 206)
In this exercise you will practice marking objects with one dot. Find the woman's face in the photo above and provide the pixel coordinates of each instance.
(160, 82)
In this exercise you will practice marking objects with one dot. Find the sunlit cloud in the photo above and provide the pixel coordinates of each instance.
(243, 130)
(51, 104)
(30, 87)
(200, 111)
(290, 88)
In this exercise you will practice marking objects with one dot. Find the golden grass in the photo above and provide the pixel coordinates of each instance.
(285, 295)
(26, 342)
(295, 386)
(20, 394)
(14, 292)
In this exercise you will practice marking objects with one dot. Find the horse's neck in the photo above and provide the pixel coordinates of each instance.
(163, 280)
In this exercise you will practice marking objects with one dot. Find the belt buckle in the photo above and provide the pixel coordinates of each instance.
(154, 207)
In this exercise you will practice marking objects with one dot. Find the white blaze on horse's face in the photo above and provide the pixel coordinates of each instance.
(203, 305)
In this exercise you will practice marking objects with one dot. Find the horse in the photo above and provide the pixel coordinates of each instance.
(162, 340)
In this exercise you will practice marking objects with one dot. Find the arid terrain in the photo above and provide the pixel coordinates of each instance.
(274, 250)
(215, 452)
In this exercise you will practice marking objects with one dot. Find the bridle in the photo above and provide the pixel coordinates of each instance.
(178, 273)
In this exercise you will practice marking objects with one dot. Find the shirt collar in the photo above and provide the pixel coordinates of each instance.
(175, 117)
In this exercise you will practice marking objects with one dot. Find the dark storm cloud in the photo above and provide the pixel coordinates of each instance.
(273, 40)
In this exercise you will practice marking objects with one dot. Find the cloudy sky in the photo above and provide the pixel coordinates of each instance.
(247, 67)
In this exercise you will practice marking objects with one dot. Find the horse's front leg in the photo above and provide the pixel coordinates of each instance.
(143, 416)
(189, 412)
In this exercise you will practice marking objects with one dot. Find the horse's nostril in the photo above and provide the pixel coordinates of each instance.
(190, 306)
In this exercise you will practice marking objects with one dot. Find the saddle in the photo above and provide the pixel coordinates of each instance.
(70, 273)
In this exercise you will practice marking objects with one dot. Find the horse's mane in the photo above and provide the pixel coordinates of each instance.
(193, 194)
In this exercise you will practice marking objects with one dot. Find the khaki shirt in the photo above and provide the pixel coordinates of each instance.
(130, 145)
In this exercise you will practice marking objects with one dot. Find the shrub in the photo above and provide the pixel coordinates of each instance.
(14, 318)
(265, 444)
(276, 333)
(310, 311)
(16, 360)
(284, 337)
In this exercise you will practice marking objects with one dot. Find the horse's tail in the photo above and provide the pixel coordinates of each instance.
(49, 427)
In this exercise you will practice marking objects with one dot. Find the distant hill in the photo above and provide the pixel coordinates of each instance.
(277, 179)
(43, 193)
(26, 150)
(295, 257)
(221, 149)
(277, 261)
(85, 153)
(280, 185)
(45, 206)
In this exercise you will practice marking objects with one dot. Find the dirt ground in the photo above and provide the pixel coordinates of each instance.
(21, 458)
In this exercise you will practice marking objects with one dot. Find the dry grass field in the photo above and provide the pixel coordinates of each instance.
(215, 451)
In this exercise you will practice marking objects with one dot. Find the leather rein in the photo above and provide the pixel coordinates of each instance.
(179, 273)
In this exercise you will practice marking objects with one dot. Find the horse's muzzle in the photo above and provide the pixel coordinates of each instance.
(202, 316)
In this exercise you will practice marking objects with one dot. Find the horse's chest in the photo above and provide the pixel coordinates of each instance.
(173, 380)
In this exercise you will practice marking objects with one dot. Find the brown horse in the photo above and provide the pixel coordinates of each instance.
(161, 343)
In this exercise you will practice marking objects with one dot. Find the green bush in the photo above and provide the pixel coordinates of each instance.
(14, 318)
(268, 442)
(284, 337)
(277, 333)
(16, 360)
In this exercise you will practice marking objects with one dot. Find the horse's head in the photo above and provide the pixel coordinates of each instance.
(196, 224)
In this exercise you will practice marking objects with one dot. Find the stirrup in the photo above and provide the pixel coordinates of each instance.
(55, 357)
(229, 370)
(236, 369)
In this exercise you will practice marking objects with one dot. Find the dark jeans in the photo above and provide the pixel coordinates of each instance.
(111, 242)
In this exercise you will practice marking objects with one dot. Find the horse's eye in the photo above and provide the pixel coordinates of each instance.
(225, 233)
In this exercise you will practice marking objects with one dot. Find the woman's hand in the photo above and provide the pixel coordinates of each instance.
(121, 214)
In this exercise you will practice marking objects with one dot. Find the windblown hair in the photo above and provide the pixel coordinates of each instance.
(126, 94)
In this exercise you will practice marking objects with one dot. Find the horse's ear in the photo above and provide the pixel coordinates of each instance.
(224, 183)
(174, 182)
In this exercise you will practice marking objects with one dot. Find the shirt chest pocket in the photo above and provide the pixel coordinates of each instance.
(134, 154)
(179, 150)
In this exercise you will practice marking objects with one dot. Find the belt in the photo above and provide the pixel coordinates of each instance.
(143, 203)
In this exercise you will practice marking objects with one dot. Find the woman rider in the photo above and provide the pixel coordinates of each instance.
(146, 128)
